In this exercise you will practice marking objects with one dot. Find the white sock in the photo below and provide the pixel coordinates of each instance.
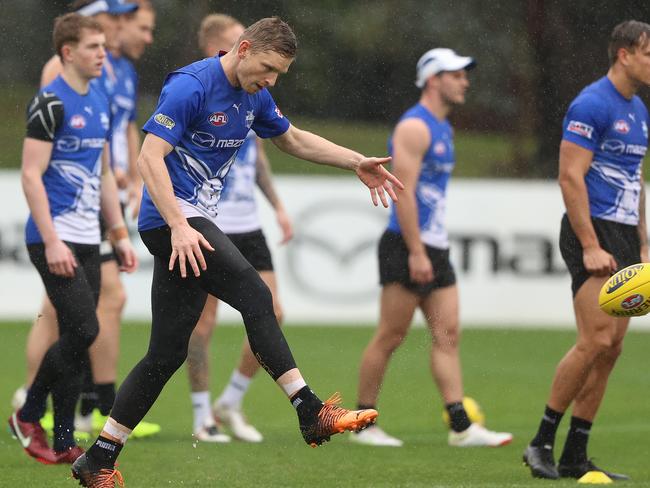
(234, 392)
(201, 408)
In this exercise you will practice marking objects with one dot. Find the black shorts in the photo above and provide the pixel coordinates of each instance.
(394, 267)
(620, 240)
(254, 248)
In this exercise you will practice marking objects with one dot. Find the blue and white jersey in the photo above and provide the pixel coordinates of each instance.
(615, 129)
(78, 127)
(237, 205)
(206, 120)
(124, 109)
(431, 192)
(124, 100)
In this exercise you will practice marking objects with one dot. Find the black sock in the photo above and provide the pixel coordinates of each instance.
(104, 452)
(458, 419)
(105, 397)
(547, 428)
(306, 403)
(63, 433)
(575, 447)
(35, 404)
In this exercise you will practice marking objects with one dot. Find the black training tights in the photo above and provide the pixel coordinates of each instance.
(177, 304)
(75, 301)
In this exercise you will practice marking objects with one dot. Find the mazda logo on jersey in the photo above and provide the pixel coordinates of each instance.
(68, 144)
(77, 121)
(203, 139)
(218, 119)
(621, 126)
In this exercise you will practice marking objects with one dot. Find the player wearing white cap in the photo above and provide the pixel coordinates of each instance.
(414, 266)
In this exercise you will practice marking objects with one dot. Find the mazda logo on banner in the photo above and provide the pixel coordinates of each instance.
(332, 259)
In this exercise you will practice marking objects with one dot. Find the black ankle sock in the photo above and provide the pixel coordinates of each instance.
(458, 419)
(575, 447)
(104, 452)
(105, 397)
(87, 402)
(63, 434)
(547, 428)
(306, 403)
(35, 404)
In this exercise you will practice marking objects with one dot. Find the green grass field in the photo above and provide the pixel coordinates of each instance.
(507, 371)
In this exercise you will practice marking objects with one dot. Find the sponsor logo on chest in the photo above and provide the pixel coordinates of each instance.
(218, 119)
(77, 121)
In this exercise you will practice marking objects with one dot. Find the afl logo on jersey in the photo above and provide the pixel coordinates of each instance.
(218, 119)
(77, 121)
(439, 148)
(621, 126)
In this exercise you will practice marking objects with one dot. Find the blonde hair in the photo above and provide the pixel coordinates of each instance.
(271, 34)
(213, 26)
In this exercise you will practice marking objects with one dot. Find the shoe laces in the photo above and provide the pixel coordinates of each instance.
(329, 414)
(106, 478)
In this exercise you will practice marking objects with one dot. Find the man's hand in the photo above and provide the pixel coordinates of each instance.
(60, 260)
(285, 225)
(186, 246)
(378, 179)
(598, 262)
(127, 258)
(420, 268)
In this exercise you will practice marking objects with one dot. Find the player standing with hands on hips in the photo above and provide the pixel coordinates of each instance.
(204, 112)
(604, 229)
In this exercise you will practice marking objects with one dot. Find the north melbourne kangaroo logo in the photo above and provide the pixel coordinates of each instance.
(87, 185)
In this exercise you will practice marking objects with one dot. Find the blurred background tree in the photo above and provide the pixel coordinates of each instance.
(356, 64)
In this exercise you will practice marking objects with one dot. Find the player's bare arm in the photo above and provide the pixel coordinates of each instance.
(643, 225)
(110, 206)
(311, 147)
(264, 182)
(135, 181)
(186, 242)
(410, 143)
(574, 164)
(35, 160)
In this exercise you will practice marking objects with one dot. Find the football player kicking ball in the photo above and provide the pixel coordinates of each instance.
(414, 265)
(239, 220)
(184, 160)
(604, 229)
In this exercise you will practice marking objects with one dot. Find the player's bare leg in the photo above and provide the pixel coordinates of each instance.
(397, 306)
(574, 461)
(597, 338)
(227, 408)
(440, 308)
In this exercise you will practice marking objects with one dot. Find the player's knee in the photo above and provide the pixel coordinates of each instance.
(88, 333)
(256, 298)
(113, 297)
(389, 341)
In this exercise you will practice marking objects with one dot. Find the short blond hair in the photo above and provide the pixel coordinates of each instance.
(271, 34)
(213, 26)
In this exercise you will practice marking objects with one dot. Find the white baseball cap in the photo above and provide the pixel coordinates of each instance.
(437, 60)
